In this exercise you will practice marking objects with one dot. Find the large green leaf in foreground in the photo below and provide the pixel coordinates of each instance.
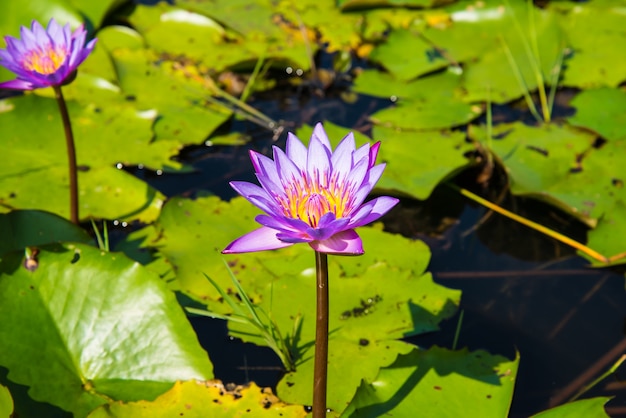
(82, 326)
(439, 383)
(202, 400)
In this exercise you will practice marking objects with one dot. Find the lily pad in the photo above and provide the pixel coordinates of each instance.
(433, 102)
(82, 326)
(418, 161)
(601, 110)
(27, 228)
(219, 36)
(204, 399)
(594, 32)
(496, 40)
(607, 236)
(439, 383)
(358, 4)
(6, 403)
(392, 55)
(585, 408)
(176, 91)
(545, 163)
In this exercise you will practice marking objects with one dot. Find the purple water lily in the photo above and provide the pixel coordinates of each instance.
(313, 195)
(44, 57)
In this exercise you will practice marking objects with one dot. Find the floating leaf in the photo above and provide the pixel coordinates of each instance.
(585, 408)
(601, 110)
(594, 32)
(433, 102)
(543, 162)
(27, 228)
(392, 54)
(204, 399)
(116, 36)
(82, 326)
(607, 236)
(6, 403)
(418, 161)
(439, 383)
(243, 39)
(176, 91)
(358, 4)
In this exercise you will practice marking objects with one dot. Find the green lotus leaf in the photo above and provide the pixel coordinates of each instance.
(204, 399)
(177, 92)
(418, 161)
(27, 228)
(116, 36)
(545, 163)
(219, 36)
(439, 383)
(82, 326)
(607, 236)
(601, 110)
(594, 32)
(433, 102)
(584, 408)
(359, 4)
(392, 55)
(6, 403)
(338, 31)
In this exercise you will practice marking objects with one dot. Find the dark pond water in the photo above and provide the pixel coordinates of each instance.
(522, 292)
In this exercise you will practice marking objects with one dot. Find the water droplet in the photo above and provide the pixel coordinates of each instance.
(393, 98)
(119, 166)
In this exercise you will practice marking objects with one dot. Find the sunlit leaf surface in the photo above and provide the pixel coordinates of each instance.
(585, 408)
(6, 403)
(82, 326)
(439, 383)
(601, 110)
(195, 399)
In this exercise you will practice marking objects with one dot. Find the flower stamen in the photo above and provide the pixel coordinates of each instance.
(45, 61)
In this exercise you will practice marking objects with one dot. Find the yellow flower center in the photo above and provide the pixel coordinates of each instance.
(310, 200)
(45, 61)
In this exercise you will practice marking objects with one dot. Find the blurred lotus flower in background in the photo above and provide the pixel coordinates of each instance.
(313, 195)
(44, 57)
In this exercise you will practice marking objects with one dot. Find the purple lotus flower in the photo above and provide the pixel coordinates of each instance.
(314, 196)
(44, 57)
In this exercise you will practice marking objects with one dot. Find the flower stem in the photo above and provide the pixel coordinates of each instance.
(71, 153)
(321, 337)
